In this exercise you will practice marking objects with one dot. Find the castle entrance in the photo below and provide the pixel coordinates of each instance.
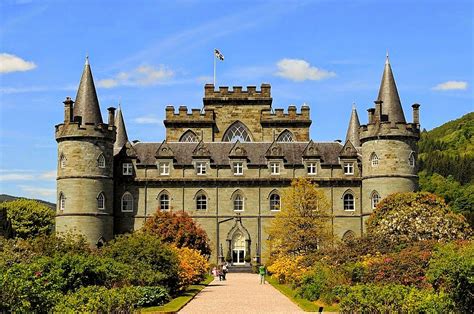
(238, 249)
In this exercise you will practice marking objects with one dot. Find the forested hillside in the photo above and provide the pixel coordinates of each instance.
(446, 159)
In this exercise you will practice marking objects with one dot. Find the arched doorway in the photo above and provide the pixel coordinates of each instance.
(238, 249)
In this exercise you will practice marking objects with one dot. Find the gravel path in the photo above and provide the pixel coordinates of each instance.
(240, 293)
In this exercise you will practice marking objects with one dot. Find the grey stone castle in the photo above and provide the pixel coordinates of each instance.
(226, 165)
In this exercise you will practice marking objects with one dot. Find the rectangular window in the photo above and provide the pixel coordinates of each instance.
(275, 168)
(349, 168)
(164, 168)
(238, 168)
(127, 169)
(201, 168)
(312, 168)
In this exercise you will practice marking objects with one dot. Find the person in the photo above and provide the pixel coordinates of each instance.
(262, 272)
(220, 273)
(214, 271)
(225, 270)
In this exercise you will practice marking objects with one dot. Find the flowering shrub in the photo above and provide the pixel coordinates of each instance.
(288, 269)
(405, 217)
(192, 266)
(319, 282)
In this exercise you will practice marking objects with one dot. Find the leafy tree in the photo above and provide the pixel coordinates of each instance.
(302, 225)
(27, 218)
(406, 217)
(193, 266)
(178, 229)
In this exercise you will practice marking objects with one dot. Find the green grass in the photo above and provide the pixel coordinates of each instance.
(304, 304)
(180, 301)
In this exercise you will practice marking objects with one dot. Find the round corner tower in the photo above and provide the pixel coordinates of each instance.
(85, 166)
(389, 146)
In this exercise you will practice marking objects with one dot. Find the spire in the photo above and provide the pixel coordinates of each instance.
(353, 129)
(388, 93)
(121, 138)
(87, 104)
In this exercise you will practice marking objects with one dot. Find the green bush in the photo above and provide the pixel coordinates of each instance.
(319, 283)
(152, 296)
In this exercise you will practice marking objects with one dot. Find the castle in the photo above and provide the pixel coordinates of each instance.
(226, 165)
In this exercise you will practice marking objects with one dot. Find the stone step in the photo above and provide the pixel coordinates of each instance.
(240, 269)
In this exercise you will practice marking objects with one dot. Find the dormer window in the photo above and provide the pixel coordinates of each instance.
(101, 161)
(312, 168)
(201, 168)
(164, 168)
(349, 168)
(238, 168)
(127, 168)
(275, 168)
(374, 160)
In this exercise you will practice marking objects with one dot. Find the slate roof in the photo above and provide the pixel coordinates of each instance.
(388, 93)
(219, 151)
(87, 104)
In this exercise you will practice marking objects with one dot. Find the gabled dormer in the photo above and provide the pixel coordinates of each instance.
(238, 159)
(348, 159)
(164, 159)
(201, 159)
(312, 159)
(275, 157)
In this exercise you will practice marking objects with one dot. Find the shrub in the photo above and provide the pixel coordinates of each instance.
(152, 296)
(319, 283)
(193, 267)
(288, 269)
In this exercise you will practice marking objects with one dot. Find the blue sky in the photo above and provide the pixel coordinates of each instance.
(149, 54)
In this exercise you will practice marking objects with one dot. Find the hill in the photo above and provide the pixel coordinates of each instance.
(7, 198)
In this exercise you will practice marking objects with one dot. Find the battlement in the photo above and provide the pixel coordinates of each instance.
(237, 93)
(196, 116)
(74, 129)
(388, 129)
(291, 116)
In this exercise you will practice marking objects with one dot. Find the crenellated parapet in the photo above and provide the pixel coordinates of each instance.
(292, 116)
(184, 116)
(250, 96)
(388, 129)
(73, 130)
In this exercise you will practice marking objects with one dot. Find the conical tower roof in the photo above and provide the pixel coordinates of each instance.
(353, 129)
(122, 137)
(388, 93)
(87, 104)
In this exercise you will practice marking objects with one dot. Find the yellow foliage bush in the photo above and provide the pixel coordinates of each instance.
(193, 266)
(288, 269)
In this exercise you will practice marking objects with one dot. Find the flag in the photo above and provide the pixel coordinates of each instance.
(219, 55)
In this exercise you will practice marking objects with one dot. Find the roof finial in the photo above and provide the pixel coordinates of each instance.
(87, 59)
(387, 60)
(353, 106)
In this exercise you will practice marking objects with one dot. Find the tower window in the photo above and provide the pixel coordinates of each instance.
(411, 160)
(274, 202)
(201, 168)
(238, 203)
(349, 203)
(127, 168)
(101, 201)
(312, 168)
(275, 168)
(101, 161)
(374, 160)
(375, 199)
(238, 168)
(164, 201)
(201, 202)
(188, 136)
(62, 161)
(62, 201)
(127, 202)
(164, 168)
(285, 136)
(237, 132)
(349, 168)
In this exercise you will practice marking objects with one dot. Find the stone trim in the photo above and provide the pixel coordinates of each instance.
(84, 214)
(85, 177)
(407, 176)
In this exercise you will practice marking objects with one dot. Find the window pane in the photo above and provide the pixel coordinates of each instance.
(285, 136)
(237, 132)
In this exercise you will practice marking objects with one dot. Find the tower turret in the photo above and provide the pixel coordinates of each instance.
(389, 146)
(85, 166)
(122, 137)
(353, 129)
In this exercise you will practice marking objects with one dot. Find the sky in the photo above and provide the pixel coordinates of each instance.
(149, 54)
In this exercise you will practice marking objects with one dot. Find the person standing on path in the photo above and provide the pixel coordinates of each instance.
(262, 271)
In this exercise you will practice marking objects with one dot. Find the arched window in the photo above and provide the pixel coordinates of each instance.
(62, 161)
(285, 136)
(374, 199)
(374, 160)
(201, 202)
(101, 161)
(238, 203)
(188, 136)
(164, 200)
(275, 202)
(237, 132)
(101, 201)
(411, 159)
(349, 203)
(62, 201)
(127, 202)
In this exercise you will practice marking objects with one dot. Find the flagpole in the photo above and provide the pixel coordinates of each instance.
(214, 57)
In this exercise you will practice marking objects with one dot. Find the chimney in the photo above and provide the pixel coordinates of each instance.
(378, 110)
(371, 112)
(111, 111)
(68, 109)
(416, 114)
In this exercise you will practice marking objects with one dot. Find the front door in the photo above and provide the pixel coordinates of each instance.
(238, 249)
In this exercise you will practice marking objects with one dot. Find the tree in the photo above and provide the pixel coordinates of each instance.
(302, 225)
(27, 218)
(406, 217)
(178, 229)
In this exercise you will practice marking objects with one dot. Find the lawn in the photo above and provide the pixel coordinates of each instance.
(181, 300)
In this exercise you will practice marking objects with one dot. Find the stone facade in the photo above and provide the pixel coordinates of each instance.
(227, 165)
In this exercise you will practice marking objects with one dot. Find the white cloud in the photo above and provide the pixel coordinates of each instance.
(141, 76)
(451, 85)
(147, 120)
(16, 177)
(300, 70)
(35, 191)
(49, 175)
(204, 79)
(26, 175)
(11, 63)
